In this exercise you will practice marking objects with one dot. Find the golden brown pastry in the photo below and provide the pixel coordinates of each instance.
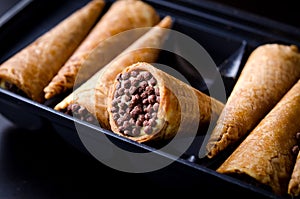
(93, 94)
(294, 183)
(266, 153)
(148, 104)
(32, 68)
(123, 15)
(270, 71)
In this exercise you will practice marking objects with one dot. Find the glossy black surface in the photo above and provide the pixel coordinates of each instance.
(283, 11)
(39, 156)
(6, 5)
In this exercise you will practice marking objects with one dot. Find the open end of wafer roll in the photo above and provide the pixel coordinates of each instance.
(149, 104)
(294, 182)
(135, 104)
(7, 85)
(80, 112)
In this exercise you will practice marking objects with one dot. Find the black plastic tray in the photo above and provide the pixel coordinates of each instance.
(221, 32)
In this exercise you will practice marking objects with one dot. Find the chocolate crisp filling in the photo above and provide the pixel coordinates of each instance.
(296, 147)
(11, 87)
(81, 113)
(135, 103)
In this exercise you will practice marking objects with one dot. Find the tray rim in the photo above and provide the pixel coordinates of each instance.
(243, 15)
(13, 11)
(235, 19)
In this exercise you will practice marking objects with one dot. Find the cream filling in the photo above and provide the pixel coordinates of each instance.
(2, 84)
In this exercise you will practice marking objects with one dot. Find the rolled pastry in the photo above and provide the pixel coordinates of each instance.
(121, 16)
(266, 153)
(32, 68)
(148, 104)
(93, 94)
(270, 71)
(294, 183)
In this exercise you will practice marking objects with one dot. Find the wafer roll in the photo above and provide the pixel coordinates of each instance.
(294, 183)
(121, 16)
(270, 71)
(32, 68)
(93, 94)
(266, 153)
(148, 104)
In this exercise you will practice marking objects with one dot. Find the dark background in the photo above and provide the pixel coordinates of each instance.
(39, 164)
(282, 11)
